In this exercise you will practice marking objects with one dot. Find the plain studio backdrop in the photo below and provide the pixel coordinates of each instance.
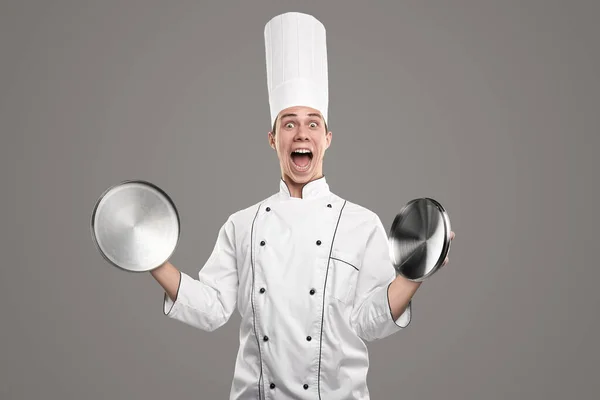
(490, 107)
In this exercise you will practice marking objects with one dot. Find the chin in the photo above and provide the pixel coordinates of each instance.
(299, 177)
(302, 179)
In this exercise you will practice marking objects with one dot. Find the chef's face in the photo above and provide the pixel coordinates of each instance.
(300, 139)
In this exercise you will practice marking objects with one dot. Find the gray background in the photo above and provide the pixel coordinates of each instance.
(489, 107)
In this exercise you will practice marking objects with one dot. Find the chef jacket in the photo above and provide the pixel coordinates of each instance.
(310, 278)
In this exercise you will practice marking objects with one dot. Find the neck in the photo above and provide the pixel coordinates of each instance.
(295, 188)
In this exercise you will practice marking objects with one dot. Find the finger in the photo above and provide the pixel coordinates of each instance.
(452, 235)
(446, 261)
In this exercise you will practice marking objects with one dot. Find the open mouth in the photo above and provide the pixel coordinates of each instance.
(301, 159)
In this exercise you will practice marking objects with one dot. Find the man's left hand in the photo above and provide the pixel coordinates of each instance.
(452, 235)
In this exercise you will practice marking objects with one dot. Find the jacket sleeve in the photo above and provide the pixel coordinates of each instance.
(371, 314)
(207, 302)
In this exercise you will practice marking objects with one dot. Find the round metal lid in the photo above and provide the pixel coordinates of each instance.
(419, 239)
(135, 226)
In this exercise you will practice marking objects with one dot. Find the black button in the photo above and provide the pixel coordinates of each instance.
(308, 338)
(262, 289)
(272, 386)
(305, 386)
(268, 208)
(265, 338)
(312, 291)
(262, 242)
(329, 205)
(318, 242)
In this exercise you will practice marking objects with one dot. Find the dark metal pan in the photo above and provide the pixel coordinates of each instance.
(419, 239)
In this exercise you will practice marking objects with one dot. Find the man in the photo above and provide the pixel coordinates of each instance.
(309, 272)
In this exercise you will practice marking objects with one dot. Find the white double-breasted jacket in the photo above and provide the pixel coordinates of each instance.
(309, 277)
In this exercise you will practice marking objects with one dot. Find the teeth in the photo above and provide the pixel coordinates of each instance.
(302, 151)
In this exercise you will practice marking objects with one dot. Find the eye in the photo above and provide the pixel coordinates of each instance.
(289, 125)
(313, 124)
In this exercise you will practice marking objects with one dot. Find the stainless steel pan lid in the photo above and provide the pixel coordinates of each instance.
(419, 239)
(135, 226)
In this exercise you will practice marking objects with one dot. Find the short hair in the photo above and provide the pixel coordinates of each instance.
(277, 119)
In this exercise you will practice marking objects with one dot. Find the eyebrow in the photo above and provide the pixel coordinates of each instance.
(295, 115)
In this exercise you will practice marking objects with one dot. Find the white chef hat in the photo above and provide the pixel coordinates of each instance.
(296, 55)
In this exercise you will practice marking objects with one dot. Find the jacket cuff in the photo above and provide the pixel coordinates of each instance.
(170, 305)
(404, 319)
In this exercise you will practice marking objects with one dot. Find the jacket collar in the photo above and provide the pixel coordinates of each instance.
(313, 189)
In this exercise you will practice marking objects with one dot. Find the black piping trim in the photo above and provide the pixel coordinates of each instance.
(252, 300)
(176, 296)
(323, 309)
(345, 262)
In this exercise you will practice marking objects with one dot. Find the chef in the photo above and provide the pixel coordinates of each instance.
(309, 272)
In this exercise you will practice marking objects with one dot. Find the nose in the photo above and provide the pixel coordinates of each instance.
(301, 134)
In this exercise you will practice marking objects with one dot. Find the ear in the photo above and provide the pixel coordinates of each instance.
(328, 137)
(272, 140)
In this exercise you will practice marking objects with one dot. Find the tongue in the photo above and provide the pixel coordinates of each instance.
(301, 160)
